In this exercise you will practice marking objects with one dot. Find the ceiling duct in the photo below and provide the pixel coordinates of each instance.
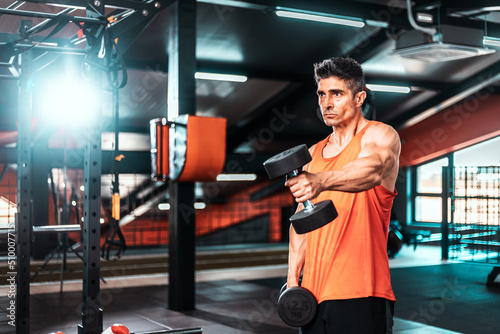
(431, 45)
(450, 44)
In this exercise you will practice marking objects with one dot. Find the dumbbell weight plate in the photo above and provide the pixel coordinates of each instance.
(287, 161)
(296, 306)
(308, 220)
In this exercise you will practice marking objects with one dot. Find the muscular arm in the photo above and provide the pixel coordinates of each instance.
(296, 255)
(377, 164)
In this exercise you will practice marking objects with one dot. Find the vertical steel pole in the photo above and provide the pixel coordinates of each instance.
(91, 236)
(444, 221)
(181, 100)
(24, 192)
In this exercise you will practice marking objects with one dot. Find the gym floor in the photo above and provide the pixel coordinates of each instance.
(433, 297)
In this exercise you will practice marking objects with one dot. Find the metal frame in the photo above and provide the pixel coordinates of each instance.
(138, 15)
(24, 194)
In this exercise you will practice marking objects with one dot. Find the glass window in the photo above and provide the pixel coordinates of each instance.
(428, 209)
(7, 212)
(482, 154)
(429, 176)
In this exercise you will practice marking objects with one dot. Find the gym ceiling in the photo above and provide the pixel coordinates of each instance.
(276, 107)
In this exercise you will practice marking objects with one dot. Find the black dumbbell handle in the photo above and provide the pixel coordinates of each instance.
(308, 205)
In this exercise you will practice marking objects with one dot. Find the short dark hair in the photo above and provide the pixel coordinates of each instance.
(344, 68)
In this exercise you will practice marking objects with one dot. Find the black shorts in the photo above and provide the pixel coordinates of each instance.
(370, 315)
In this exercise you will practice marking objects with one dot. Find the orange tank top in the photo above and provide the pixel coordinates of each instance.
(347, 258)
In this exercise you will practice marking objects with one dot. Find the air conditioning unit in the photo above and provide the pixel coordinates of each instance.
(451, 43)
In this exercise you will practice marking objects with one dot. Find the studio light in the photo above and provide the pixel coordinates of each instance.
(236, 177)
(319, 17)
(388, 88)
(220, 77)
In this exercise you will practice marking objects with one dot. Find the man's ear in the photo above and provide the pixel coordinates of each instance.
(360, 98)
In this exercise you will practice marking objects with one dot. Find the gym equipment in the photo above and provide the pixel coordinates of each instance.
(114, 237)
(188, 149)
(296, 306)
(493, 280)
(394, 239)
(288, 163)
(159, 148)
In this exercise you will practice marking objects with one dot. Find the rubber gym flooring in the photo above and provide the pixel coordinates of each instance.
(433, 298)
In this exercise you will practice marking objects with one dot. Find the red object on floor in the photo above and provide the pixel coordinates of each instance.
(116, 329)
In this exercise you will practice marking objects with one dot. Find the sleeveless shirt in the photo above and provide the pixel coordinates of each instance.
(347, 258)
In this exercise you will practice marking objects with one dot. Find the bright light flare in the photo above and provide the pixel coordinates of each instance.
(70, 101)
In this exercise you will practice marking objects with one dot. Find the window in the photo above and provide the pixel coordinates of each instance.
(426, 187)
(482, 154)
(427, 200)
(7, 212)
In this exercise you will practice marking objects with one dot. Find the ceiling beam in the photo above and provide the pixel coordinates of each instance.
(467, 5)
(367, 11)
(253, 72)
(131, 4)
(266, 115)
(448, 97)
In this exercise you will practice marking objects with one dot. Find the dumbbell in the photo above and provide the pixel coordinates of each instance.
(288, 163)
(296, 306)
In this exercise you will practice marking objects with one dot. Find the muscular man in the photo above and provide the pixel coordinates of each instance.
(345, 263)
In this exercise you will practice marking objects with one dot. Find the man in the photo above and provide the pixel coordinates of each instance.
(345, 263)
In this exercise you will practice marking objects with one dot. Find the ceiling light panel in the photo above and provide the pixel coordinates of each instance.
(319, 17)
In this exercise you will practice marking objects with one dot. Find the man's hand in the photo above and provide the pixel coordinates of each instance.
(305, 186)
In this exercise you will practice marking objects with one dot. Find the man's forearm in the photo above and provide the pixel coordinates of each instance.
(296, 256)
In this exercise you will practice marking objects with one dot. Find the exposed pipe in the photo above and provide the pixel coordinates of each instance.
(429, 31)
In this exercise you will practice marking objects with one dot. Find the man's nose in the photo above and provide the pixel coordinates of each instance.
(327, 102)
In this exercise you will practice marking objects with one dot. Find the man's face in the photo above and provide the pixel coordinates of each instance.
(337, 102)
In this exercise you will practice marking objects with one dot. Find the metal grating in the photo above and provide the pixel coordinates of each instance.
(474, 229)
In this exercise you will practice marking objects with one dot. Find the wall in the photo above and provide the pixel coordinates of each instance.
(151, 229)
(474, 120)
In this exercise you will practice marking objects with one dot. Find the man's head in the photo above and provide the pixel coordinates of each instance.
(344, 68)
(340, 90)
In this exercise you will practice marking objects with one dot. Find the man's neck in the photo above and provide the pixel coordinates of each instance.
(343, 133)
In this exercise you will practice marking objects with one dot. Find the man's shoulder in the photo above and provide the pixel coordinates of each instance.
(378, 129)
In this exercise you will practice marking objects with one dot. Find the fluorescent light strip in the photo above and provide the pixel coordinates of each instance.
(197, 206)
(164, 206)
(424, 17)
(380, 24)
(388, 88)
(491, 41)
(319, 17)
(220, 77)
(236, 177)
